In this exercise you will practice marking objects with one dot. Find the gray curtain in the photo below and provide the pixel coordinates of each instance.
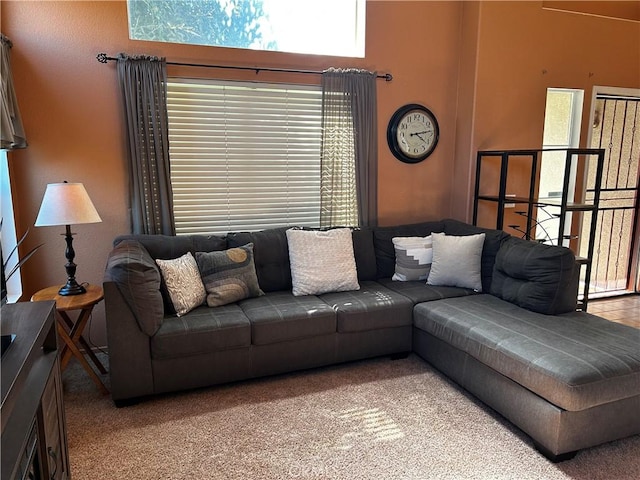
(11, 129)
(143, 82)
(349, 155)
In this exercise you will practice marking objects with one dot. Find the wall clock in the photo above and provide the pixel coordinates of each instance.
(412, 133)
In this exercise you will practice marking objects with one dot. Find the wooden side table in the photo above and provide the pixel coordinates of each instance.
(71, 331)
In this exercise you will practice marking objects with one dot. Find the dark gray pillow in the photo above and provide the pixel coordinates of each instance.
(538, 277)
(228, 276)
(137, 277)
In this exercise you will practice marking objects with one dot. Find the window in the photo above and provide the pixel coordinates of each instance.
(244, 156)
(322, 27)
(8, 233)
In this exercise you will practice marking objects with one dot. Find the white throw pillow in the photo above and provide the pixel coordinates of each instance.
(322, 261)
(413, 258)
(457, 261)
(182, 278)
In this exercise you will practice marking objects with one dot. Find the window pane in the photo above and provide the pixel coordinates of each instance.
(323, 27)
(244, 156)
(558, 118)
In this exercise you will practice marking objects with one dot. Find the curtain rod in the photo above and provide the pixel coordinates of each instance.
(103, 58)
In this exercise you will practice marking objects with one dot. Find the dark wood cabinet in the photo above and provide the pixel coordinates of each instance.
(34, 438)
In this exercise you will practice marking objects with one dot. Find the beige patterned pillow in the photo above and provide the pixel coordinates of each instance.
(183, 281)
(322, 261)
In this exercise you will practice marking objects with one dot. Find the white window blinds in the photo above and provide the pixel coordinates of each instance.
(244, 156)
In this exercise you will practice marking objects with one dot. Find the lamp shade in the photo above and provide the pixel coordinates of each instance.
(66, 204)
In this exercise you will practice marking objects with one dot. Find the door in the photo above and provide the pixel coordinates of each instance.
(615, 120)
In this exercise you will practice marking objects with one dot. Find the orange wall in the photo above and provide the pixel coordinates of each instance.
(517, 50)
(477, 65)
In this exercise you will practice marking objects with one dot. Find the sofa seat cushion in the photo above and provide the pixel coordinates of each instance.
(575, 360)
(202, 330)
(371, 308)
(419, 291)
(280, 316)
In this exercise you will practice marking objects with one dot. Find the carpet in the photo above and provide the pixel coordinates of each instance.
(373, 419)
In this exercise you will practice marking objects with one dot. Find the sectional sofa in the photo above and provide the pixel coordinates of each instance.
(569, 379)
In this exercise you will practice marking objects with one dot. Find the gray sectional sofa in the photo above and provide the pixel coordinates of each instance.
(568, 379)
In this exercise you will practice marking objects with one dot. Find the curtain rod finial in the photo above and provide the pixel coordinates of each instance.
(102, 57)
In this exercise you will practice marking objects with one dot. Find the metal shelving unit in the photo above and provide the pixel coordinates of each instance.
(563, 206)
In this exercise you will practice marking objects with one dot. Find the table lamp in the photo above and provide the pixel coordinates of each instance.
(67, 204)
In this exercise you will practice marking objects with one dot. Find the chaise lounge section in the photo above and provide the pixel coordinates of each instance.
(568, 379)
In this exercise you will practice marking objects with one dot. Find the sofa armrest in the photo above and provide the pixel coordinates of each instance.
(129, 348)
(138, 279)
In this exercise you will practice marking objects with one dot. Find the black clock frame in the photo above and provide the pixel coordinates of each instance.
(392, 130)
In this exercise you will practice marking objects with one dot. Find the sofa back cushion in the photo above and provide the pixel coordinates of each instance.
(538, 277)
(137, 277)
(270, 255)
(364, 252)
(383, 244)
(167, 247)
(493, 239)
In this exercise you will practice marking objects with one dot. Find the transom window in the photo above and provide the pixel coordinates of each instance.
(322, 27)
(244, 156)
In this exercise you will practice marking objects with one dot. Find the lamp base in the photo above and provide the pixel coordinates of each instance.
(72, 288)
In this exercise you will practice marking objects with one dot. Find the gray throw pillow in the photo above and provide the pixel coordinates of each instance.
(457, 261)
(229, 276)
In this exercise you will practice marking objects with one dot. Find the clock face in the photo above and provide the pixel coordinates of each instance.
(413, 133)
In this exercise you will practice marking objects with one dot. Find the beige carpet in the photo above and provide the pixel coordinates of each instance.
(376, 419)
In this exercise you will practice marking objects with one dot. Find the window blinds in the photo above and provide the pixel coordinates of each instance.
(244, 156)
